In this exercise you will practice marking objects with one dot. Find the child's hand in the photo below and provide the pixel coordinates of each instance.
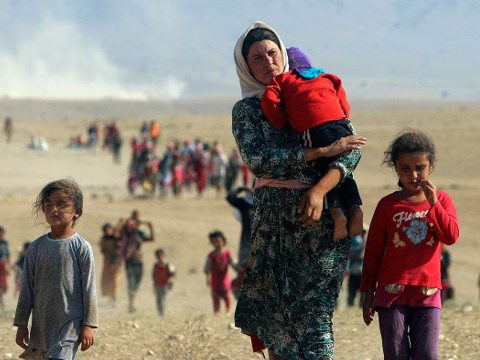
(22, 338)
(430, 191)
(87, 337)
(368, 311)
(352, 142)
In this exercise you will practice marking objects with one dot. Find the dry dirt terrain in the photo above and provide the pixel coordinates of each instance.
(189, 330)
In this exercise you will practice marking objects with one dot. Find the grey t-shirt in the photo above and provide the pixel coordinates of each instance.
(59, 288)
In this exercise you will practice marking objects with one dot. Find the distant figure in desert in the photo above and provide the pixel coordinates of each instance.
(132, 239)
(4, 265)
(8, 128)
(110, 245)
(242, 200)
(163, 274)
(18, 268)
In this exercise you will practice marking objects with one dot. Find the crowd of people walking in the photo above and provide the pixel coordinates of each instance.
(191, 165)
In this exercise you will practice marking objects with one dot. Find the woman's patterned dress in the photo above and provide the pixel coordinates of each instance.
(294, 274)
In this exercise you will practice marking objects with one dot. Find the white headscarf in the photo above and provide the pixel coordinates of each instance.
(250, 86)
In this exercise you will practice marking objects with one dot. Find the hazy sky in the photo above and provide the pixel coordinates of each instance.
(179, 49)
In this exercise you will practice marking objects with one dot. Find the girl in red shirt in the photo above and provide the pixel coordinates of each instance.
(401, 269)
(216, 270)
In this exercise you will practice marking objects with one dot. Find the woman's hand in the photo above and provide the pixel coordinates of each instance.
(368, 310)
(311, 205)
(87, 337)
(352, 142)
(22, 336)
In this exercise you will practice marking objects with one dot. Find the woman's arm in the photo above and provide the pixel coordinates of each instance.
(311, 204)
(275, 158)
(349, 147)
(347, 151)
(151, 235)
(287, 160)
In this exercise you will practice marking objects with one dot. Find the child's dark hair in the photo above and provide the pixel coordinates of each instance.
(409, 141)
(69, 187)
(106, 226)
(159, 252)
(217, 233)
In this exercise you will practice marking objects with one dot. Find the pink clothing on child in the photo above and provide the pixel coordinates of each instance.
(217, 265)
(410, 295)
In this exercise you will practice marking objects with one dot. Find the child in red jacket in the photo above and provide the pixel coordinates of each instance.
(163, 275)
(315, 105)
(216, 270)
(401, 268)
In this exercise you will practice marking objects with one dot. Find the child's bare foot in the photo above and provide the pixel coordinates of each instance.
(340, 228)
(355, 220)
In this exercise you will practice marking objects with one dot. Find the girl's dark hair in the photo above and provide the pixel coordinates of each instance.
(215, 234)
(69, 187)
(409, 141)
(255, 35)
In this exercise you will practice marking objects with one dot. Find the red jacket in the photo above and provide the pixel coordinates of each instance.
(405, 241)
(304, 103)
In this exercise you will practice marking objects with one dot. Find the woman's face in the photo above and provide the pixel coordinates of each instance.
(265, 61)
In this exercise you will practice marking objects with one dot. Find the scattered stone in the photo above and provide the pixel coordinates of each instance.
(179, 337)
(467, 308)
(222, 356)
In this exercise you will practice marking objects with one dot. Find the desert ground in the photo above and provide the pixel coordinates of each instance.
(190, 330)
